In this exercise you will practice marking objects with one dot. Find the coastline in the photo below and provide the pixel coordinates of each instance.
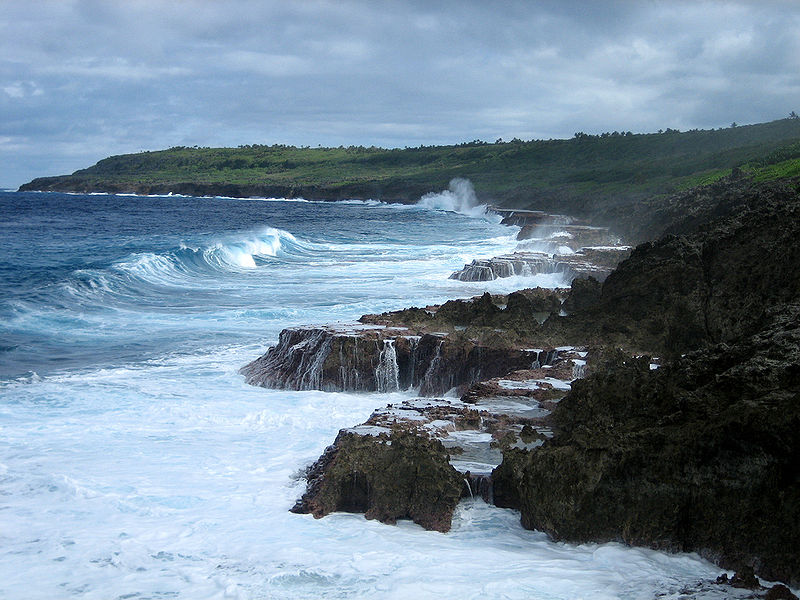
(402, 194)
(672, 318)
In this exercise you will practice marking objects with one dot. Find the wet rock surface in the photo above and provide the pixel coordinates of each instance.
(432, 350)
(415, 459)
(699, 455)
(694, 452)
(551, 244)
(587, 262)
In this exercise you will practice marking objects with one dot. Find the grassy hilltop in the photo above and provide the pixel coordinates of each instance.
(573, 175)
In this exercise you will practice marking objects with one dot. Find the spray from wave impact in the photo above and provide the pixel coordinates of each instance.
(459, 198)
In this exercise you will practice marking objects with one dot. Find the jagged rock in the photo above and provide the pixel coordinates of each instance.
(745, 578)
(519, 217)
(680, 293)
(482, 311)
(524, 303)
(585, 294)
(381, 360)
(412, 460)
(697, 456)
(518, 312)
(700, 454)
(594, 262)
(388, 476)
(779, 592)
(550, 244)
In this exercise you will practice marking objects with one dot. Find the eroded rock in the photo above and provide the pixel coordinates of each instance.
(387, 475)
(698, 456)
(587, 262)
(415, 459)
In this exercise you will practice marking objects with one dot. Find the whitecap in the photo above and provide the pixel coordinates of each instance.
(459, 198)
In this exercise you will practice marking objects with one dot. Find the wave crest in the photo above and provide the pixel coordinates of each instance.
(243, 253)
(186, 266)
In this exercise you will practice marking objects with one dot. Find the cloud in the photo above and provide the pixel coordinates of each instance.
(22, 89)
(83, 79)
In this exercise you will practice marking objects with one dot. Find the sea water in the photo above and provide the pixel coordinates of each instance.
(135, 462)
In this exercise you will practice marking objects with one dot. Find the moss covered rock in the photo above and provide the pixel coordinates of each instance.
(387, 475)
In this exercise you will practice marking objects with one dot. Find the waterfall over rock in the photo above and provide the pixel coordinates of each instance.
(387, 373)
(377, 360)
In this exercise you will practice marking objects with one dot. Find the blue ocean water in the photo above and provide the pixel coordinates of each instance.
(134, 461)
(105, 279)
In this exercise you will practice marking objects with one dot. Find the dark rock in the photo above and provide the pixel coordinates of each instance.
(585, 294)
(393, 465)
(779, 592)
(682, 293)
(382, 360)
(745, 578)
(480, 312)
(523, 304)
(696, 456)
(389, 476)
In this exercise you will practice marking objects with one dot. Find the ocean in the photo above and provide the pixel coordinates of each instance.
(135, 462)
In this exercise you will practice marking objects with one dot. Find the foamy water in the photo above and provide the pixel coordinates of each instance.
(134, 461)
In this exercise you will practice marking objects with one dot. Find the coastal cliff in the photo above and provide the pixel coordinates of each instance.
(431, 350)
(695, 451)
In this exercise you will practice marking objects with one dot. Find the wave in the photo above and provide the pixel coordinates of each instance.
(245, 252)
(458, 198)
(188, 267)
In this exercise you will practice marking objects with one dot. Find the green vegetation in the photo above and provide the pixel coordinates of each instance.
(540, 173)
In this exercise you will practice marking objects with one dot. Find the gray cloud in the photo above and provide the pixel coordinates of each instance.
(83, 79)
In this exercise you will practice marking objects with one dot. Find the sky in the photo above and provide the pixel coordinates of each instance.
(84, 79)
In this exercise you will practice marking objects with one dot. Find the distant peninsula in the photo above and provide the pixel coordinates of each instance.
(578, 175)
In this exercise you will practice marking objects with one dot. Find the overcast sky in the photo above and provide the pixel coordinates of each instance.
(81, 80)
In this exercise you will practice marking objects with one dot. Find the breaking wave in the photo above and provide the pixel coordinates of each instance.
(189, 267)
(458, 198)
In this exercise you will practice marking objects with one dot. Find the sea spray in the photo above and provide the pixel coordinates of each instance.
(459, 198)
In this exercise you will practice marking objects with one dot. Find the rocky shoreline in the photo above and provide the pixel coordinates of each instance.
(387, 192)
(557, 409)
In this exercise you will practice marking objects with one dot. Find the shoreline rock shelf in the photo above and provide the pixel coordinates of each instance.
(550, 244)
(695, 452)
(381, 359)
(416, 459)
(597, 262)
(431, 350)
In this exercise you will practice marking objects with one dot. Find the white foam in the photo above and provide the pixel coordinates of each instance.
(459, 198)
(160, 473)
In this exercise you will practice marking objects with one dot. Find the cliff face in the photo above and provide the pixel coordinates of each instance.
(682, 292)
(700, 455)
(381, 361)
